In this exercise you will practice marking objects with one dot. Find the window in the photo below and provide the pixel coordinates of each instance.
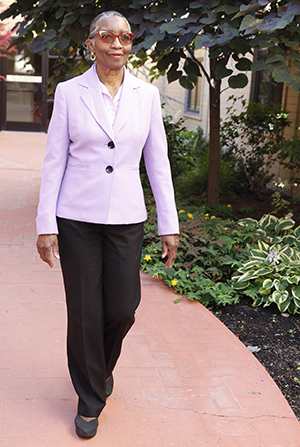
(266, 90)
(193, 98)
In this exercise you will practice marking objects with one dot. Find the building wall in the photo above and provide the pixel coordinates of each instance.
(175, 97)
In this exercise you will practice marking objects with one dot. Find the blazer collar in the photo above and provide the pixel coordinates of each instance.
(93, 100)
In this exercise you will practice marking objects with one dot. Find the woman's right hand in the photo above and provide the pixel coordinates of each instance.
(47, 243)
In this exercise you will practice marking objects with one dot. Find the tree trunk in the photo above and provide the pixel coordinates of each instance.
(214, 138)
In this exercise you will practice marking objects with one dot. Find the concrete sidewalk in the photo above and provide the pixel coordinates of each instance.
(183, 379)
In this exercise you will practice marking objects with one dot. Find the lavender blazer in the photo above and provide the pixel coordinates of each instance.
(85, 176)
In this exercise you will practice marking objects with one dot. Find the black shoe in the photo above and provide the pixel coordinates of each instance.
(86, 429)
(109, 385)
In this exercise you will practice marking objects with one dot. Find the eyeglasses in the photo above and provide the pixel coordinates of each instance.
(109, 37)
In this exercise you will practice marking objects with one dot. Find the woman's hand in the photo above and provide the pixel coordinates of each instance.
(47, 243)
(169, 244)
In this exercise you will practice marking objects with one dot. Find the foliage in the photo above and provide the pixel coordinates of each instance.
(271, 275)
(184, 147)
(254, 136)
(273, 229)
(278, 201)
(5, 43)
(193, 183)
(289, 157)
(210, 251)
(168, 33)
(218, 260)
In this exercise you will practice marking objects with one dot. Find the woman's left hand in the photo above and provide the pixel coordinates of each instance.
(170, 244)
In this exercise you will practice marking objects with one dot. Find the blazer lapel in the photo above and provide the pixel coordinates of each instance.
(129, 100)
(93, 100)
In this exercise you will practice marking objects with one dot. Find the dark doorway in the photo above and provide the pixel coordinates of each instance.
(23, 100)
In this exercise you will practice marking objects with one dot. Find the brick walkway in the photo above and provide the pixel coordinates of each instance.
(183, 379)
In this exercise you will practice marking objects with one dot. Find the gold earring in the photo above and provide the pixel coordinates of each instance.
(93, 56)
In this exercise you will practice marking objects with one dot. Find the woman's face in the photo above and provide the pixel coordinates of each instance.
(111, 56)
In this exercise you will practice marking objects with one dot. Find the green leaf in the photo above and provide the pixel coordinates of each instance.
(262, 271)
(164, 63)
(259, 301)
(231, 9)
(248, 22)
(244, 9)
(284, 258)
(59, 13)
(263, 246)
(201, 39)
(172, 27)
(208, 20)
(49, 34)
(249, 265)
(222, 72)
(294, 55)
(241, 285)
(288, 251)
(195, 5)
(259, 65)
(69, 19)
(191, 68)
(280, 296)
(281, 75)
(258, 254)
(248, 222)
(244, 64)
(294, 279)
(62, 43)
(297, 231)
(238, 81)
(186, 83)
(296, 292)
(275, 58)
(283, 307)
(283, 225)
(246, 276)
(294, 264)
(267, 284)
(173, 74)
(289, 239)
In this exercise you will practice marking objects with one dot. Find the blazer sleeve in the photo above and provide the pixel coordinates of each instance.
(159, 171)
(55, 160)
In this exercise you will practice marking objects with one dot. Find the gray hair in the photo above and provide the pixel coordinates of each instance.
(105, 15)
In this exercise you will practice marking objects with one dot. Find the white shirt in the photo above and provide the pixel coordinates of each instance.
(111, 104)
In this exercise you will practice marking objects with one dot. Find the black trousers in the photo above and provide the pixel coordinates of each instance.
(100, 266)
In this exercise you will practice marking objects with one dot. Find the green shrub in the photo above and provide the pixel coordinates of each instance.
(254, 136)
(272, 271)
(193, 183)
(271, 275)
(210, 251)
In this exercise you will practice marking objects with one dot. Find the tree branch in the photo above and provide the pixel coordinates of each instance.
(190, 51)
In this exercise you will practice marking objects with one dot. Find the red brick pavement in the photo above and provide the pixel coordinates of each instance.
(183, 379)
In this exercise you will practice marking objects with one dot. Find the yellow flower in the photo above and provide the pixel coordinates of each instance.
(207, 216)
(229, 206)
(147, 258)
(174, 282)
(181, 211)
(213, 217)
(190, 215)
(155, 275)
